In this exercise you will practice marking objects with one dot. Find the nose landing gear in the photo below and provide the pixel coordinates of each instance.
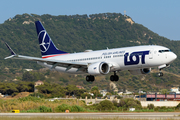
(160, 74)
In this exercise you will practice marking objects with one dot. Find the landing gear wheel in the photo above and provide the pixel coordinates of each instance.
(90, 78)
(114, 77)
(160, 74)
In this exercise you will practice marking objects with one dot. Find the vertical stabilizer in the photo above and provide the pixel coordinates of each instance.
(47, 47)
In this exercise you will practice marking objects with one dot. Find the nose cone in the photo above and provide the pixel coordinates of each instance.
(173, 56)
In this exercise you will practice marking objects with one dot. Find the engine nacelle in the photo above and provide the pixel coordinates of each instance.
(98, 68)
(140, 71)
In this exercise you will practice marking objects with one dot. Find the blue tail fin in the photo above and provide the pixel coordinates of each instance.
(48, 49)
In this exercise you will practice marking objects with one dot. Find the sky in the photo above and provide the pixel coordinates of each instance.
(160, 16)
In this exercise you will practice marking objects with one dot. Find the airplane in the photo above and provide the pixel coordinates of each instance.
(136, 59)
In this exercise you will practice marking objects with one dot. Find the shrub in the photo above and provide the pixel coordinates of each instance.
(90, 102)
(150, 106)
(32, 111)
(115, 102)
(165, 110)
(105, 105)
(157, 108)
(45, 109)
(31, 98)
(129, 103)
(93, 107)
(63, 107)
(178, 106)
(37, 95)
(76, 108)
(14, 94)
(83, 101)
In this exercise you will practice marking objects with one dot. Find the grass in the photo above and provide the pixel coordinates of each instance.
(166, 110)
(32, 104)
(31, 111)
(145, 110)
(37, 105)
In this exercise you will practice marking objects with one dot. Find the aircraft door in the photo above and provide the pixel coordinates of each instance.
(166, 55)
(151, 54)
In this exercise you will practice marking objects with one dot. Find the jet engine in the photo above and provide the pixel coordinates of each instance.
(140, 71)
(98, 68)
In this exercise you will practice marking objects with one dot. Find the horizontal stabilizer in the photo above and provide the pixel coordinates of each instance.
(9, 57)
(12, 52)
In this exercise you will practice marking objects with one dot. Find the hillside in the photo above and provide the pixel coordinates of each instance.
(149, 82)
(77, 33)
(127, 81)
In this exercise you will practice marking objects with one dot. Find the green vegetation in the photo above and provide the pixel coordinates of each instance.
(58, 84)
(45, 109)
(129, 103)
(178, 106)
(45, 91)
(74, 108)
(34, 104)
(150, 106)
(96, 92)
(13, 88)
(105, 105)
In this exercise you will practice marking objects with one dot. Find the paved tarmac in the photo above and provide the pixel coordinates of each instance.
(153, 115)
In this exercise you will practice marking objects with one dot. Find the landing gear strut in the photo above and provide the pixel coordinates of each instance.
(114, 77)
(90, 78)
(162, 67)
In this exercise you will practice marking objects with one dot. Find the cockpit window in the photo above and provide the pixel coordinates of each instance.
(161, 51)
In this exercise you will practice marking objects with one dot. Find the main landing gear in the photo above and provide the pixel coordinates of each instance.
(114, 77)
(90, 78)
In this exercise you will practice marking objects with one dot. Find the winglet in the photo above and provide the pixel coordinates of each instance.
(12, 52)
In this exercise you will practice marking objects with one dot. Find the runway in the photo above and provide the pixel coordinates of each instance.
(153, 115)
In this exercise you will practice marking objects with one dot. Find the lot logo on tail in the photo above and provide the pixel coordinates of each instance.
(45, 41)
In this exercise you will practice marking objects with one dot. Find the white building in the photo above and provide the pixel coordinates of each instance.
(175, 89)
(103, 92)
(128, 92)
(28, 70)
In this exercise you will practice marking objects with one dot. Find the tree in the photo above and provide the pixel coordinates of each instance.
(150, 106)
(164, 91)
(27, 76)
(129, 102)
(25, 86)
(105, 105)
(95, 91)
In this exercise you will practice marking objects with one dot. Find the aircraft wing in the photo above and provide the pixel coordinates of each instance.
(67, 64)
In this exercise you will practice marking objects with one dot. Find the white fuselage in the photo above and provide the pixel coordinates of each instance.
(126, 58)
